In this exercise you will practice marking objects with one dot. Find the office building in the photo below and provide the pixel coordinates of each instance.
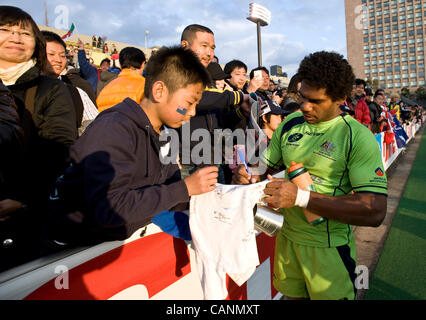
(276, 70)
(386, 42)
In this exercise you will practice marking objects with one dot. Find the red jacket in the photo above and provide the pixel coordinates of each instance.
(362, 112)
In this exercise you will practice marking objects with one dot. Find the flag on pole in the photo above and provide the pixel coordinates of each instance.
(69, 33)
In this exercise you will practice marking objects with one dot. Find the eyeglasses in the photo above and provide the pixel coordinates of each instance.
(24, 34)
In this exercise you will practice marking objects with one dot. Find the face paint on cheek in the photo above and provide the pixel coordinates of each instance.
(181, 110)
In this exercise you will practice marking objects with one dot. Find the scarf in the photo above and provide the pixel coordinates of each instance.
(10, 75)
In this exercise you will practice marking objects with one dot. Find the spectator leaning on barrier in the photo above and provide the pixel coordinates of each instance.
(368, 95)
(362, 113)
(217, 109)
(47, 116)
(318, 261)
(129, 84)
(394, 105)
(376, 110)
(117, 182)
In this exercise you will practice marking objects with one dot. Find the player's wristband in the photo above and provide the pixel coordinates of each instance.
(302, 198)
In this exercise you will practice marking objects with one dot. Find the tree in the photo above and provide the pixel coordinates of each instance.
(405, 92)
(373, 84)
(421, 93)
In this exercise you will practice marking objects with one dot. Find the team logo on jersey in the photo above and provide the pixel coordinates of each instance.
(295, 137)
(327, 147)
(379, 172)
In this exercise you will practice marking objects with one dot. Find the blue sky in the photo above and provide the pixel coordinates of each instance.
(298, 27)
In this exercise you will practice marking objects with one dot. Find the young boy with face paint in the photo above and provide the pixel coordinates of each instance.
(117, 181)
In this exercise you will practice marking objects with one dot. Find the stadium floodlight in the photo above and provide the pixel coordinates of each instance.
(262, 17)
(146, 38)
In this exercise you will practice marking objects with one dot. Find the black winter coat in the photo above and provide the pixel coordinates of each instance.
(11, 148)
(49, 131)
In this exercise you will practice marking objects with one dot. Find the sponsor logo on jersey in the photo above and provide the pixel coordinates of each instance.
(379, 172)
(327, 147)
(295, 137)
(314, 134)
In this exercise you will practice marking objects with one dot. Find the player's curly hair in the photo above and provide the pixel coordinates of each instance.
(328, 70)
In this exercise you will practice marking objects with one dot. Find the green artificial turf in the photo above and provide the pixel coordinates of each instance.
(401, 271)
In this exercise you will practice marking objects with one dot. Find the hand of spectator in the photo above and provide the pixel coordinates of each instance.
(241, 176)
(202, 181)
(276, 98)
(7, 207)
(280, 193)
(254, 84)
(227, 87)
(80, 44)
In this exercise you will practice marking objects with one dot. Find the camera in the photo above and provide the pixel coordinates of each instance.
(279, 92)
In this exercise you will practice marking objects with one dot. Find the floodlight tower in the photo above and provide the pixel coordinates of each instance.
(146, 38)
(262, 17)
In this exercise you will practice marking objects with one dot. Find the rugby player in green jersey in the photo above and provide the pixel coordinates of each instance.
(343, 158)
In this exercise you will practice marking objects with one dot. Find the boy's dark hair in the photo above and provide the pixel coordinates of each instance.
(176, 67)
(53, 37)
(379, 91)
(231, 65)
(131, 57)
(328, 70)
(105, 60)
(188, 33)
(360, 81)
(258, 68)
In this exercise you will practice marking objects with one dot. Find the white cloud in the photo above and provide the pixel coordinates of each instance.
(297, 27)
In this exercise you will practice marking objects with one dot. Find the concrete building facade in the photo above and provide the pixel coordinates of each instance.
(386, 42)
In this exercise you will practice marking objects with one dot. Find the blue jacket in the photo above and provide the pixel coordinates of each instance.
(88, 72)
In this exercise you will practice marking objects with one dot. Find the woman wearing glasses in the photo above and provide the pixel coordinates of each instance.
(48, 120)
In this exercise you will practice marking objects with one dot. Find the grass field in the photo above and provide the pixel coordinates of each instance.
(401, 271)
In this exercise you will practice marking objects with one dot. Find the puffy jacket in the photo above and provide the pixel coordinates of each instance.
(49, 130)
(128, 84)
(362, 112)
(11, 137)
(10, 124)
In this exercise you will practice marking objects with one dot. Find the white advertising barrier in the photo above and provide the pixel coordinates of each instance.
(391, 152)
(153, 266)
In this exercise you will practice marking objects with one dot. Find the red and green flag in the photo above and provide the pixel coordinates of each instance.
(69, 33)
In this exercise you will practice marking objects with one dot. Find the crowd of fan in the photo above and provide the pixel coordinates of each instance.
(375, 109)
(46, 104)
